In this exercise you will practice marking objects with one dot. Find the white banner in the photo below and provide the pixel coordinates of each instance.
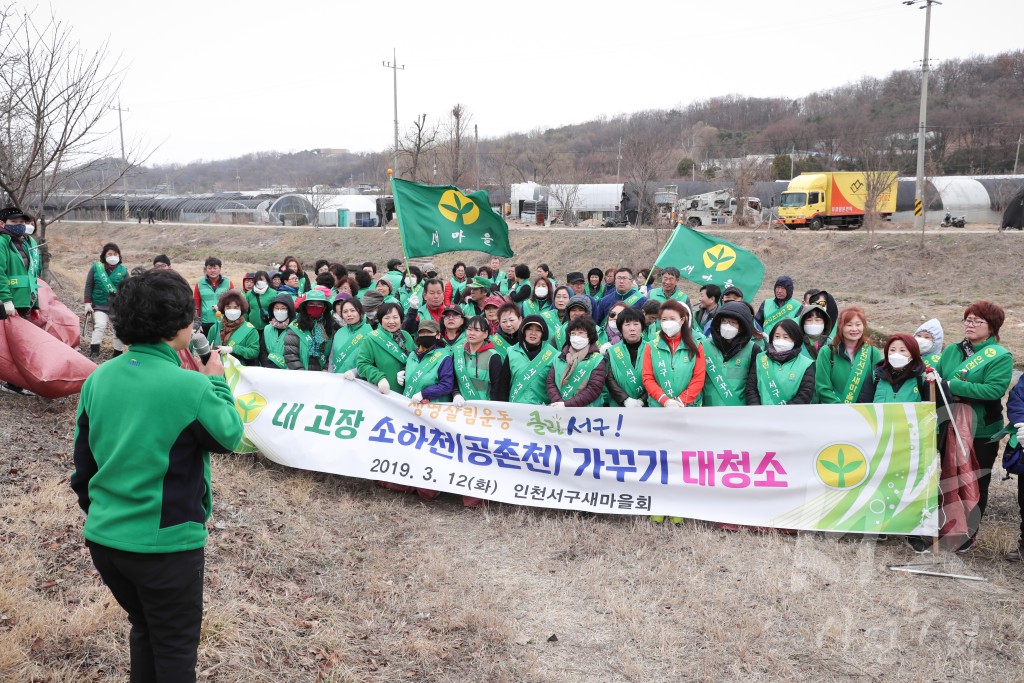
(857, 468)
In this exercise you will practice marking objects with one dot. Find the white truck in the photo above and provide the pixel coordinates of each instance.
(716, 208)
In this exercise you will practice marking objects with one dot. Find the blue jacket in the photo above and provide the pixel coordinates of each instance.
(1015, 403)
(612, 298)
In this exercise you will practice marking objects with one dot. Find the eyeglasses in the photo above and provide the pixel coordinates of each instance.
(613, 316)
(974, 322)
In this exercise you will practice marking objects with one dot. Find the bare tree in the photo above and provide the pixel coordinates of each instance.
(645, 155)
(417, 143)
(53, 97)
(453, 147)
(567, 197)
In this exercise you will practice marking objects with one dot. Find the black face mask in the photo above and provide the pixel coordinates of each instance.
(426, 341)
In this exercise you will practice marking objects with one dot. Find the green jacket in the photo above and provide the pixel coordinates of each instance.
(142, 467)
(259, 305)
(981, 379)
(244, 342)
(18, 283)
(375, 362)
(834, 377)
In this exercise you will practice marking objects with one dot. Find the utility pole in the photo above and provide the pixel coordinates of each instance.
(618, 161)
(476, 146)
(393, 65)
(792, 162)
(1017, 158)
(124, 161)
(919, 207)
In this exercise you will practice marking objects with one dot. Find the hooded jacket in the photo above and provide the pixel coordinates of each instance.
(783, 281)
(810, 346)
(934, 327)
(739, 312)
(805, 394)
(272, 338)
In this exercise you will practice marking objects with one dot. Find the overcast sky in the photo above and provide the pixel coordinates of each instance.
(221, 78)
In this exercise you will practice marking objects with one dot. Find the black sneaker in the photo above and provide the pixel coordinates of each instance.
(15, 389)
(1017, 554)
(920, 545)
(967, 547)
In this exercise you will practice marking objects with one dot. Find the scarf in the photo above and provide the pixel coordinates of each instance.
(316, 345)
(227, 328)
(291, 290)
(572, 359)
(400, 340)
(280, 324)
(614, 336)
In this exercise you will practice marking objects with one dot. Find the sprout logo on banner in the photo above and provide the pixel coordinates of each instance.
(719, 257)
(249, 406)
(458, 208)
(841, 466)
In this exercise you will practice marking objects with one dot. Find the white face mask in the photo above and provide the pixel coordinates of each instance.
(410, 282)
(924, 344)
(578, 342)
(260, 287)
(111, 260)
(541, 292)
(613, 325)
(280, 315)
(29, 229)
(898, 360)
(814, 329)
(671, 327)
(783, 345)
(233, 314)
(728, 331)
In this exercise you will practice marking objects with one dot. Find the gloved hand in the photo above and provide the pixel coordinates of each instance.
(349, 374)
(643, 290)
(673, 403)
(634, 403)
(458, 401)
(558, 404)
(9, 308)
(224, 350)
(932, 375)
(1020, 432)
(401, 378)
(604, 348)
(88, 308)
(414, 301)
(383, 386)
(417, 397)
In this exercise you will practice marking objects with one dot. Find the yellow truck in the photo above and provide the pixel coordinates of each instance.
(836, 199)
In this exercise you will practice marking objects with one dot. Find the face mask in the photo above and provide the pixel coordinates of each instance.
(728, 331)
(924, 344)
(542, 292)
(280, 315)
(578, 342)
(814, 329)
(16, 229)
(233, 314)
(410, 282)
(783, 345)
(113, 260)
(613, 325)
(671, 327)
(260, 287)
(426, 341)
(314, 311)
(898, 360)
(29, 228)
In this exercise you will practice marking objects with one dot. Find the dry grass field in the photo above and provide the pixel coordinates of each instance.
(314, 577)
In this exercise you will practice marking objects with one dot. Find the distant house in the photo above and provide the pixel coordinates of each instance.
(592, 200)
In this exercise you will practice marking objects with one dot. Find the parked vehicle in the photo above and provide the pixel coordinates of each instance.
(836, 199)
(951, 221)
(716, 208)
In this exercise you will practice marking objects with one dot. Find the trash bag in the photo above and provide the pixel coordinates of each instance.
(33, 359)
(1013, 217)
(56, 318)
(958, 484)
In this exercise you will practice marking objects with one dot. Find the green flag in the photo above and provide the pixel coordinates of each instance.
(709, 260)
(439, 219)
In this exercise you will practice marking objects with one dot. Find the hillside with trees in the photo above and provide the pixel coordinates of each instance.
(975, 119)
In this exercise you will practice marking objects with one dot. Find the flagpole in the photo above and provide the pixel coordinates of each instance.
(401, 242)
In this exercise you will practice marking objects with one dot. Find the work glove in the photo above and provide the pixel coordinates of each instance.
(673, 403)
(634, 403)
(643, 290)
(401, 378)
(10, 310)
(88, 308)
(604, 348)
(1020, 432)
(417, 397)
(383, 386)
(458, 401)
(349, 374)
(414, 301)
(558, 404)
(224, 350)
(932, 375)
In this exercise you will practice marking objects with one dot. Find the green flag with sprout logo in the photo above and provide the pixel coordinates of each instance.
(438, 219)
(709, 260)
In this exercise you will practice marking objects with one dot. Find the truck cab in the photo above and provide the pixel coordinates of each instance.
(804, 201)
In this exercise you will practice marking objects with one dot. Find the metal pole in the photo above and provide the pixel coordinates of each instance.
(1017, 158)
(393, 65)
(476, 146)
(919, 220)
(124, 163)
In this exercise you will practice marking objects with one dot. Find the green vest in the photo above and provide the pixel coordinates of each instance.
(305, 339)
(551, 319)
(273, 342)
(474, 377)
(345, 349)
(529, 377)
(457, 289)
(104, 284)
(19, 284)
(725, 381)
(932, 360)
(259, 304)
(422, 373)
(908, 392)
(208, 297)
(579, 377)
(773, 313)
(534, 307)
(557, 337)
(659, 295)
(628, 374)
(778, 383)
(501, 346)
(501, 279)
(673, 371)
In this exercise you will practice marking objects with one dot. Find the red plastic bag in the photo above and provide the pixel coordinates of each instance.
(958, 485)
(34, 360)
(56, 318)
